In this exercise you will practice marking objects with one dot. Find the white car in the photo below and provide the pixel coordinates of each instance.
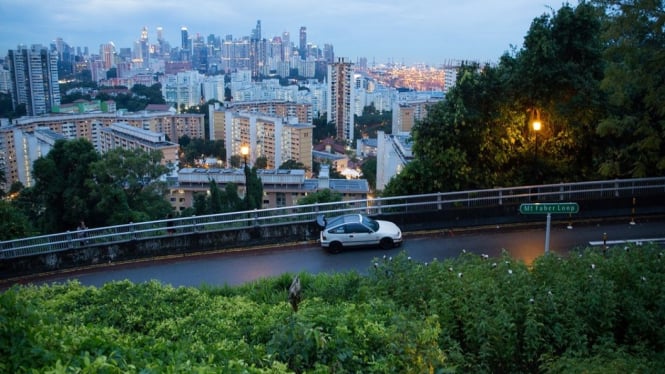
(357, 230)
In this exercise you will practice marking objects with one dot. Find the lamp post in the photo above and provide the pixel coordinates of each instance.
(244, 150)
(536, 125)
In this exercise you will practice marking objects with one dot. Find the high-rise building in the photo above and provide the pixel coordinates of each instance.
(34, 75)
(303, 43)
(144, 50)
(107, 55)
(286, 46)
(341, 98)
(185, 49)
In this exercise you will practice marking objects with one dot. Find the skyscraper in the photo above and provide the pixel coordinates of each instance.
(34, 75)
(185, 51)
(341, 98)
(144, 48)
(303, 43)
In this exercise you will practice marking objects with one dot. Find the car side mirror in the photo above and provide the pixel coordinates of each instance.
(321, 220)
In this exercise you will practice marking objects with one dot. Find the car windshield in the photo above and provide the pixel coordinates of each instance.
(370, 223)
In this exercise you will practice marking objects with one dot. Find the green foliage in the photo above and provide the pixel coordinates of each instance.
(253, 189)
(634, 129)
(220, 201)
(480, 135)
(323, 196)
(322, 129)
(292, 165)
(14, 223)
(73, 183)
(126, 185)
(60, 185)
(372, 121)
(586, 313)
(368, 169)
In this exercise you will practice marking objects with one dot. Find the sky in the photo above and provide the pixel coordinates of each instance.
(401, 31)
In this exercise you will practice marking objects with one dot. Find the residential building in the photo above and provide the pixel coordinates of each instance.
(281, 188)
(407, 110)
(341, 98)
(277, 138)
(122, 135)
(31, 146)
(393, 152)
(89, 126)
(183, 89)
(34, 75)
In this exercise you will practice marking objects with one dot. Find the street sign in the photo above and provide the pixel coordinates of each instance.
(547, 208)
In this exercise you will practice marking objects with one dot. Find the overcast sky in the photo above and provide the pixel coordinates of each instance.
(409, 31)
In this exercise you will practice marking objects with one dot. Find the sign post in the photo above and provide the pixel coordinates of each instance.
(549, 209)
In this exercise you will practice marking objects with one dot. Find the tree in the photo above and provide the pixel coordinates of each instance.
(235, 161)
(128, 187)
(323, 196)
(261, 162)
(322, 129)
(634, 83)
(14, 223)
(253, 189)
(223, 201)
(61, 185)
(368, 169)
(292, 165)
(480, 135)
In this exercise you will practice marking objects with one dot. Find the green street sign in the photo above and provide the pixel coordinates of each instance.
(546, 208)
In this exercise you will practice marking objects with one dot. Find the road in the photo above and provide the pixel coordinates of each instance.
(241, 267)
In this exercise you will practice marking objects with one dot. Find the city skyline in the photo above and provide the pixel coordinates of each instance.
(381, 31)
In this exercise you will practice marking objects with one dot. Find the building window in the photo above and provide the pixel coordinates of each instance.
(280, 199)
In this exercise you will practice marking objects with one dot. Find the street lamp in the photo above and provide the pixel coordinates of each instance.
(244, 150)
(536, 125)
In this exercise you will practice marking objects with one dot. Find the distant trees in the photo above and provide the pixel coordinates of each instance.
(322, 129)
(371, 121)
(73, 183)
(196, 148)
(253, 189)
(127, 188)
(323, 196)
(61, 189)
(292, 165)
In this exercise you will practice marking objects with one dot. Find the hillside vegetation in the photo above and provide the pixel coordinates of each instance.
(589, 312)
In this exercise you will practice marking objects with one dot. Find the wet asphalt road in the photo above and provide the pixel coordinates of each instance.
(241, 267)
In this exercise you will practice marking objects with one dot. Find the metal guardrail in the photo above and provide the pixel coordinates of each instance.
(610, 189)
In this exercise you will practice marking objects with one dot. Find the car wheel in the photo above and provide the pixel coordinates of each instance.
(335, 247)
(386, 243)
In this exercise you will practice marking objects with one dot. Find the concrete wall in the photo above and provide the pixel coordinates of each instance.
(172, 245)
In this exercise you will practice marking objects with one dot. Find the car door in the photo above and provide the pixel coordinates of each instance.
(358, 235)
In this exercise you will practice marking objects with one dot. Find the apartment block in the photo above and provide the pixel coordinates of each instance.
(122, 135)
(407, 112)
(341, 98)
(276, 138)
(393, 152)
(89, 126)
(34, 77)
(280, 187)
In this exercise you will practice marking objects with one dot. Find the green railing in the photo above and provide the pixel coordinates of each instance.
(400, 205)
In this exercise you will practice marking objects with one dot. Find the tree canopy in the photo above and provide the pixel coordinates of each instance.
(592, 74)
(73, 182)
